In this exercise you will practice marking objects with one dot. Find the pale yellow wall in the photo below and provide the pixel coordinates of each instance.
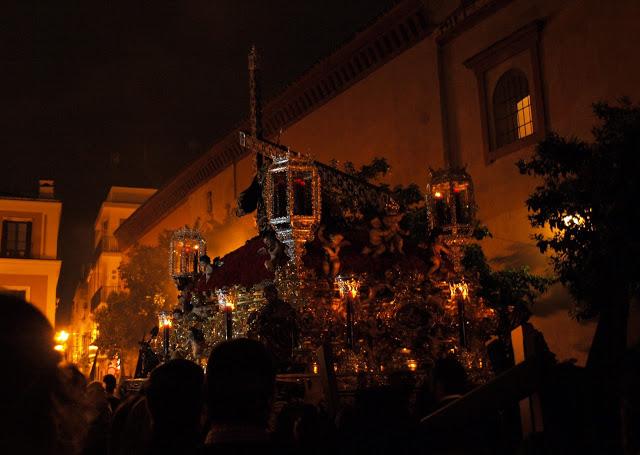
(112, 213)
(39, 275)
(45, 216)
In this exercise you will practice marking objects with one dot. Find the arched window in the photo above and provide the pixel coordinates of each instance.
(512, 112)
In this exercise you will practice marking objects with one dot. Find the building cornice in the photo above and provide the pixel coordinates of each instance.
(467, 15)
(395, 31)
(13, 266)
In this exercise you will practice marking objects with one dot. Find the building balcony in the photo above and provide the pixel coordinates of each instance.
(106, 244)
(101, 295)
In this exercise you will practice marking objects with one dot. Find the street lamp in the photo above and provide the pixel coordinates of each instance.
(61, 339)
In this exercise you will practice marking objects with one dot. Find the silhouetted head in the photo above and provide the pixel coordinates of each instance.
(109, 383)
(39, 410)
(174, 395)
(205, 260)
(270, 293)
(240, 383)
(448, 378)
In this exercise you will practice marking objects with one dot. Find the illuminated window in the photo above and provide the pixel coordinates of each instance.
(16, 239)
(512, 108)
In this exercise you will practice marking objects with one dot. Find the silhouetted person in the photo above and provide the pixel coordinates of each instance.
(277, 328)
(448, 384)
(99, 413)
(131, 427)
(448, 381)
(239, 392)
(110, 383)
(630, 391)
(174, 399)
(40, 409)
(380, 422)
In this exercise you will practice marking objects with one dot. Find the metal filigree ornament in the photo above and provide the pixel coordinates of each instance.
(452, 208)
(293, 201)
(185, 249)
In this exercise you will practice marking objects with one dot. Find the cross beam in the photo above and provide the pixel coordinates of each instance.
(263, 147)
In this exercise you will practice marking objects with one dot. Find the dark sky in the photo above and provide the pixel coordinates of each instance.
(107, 93)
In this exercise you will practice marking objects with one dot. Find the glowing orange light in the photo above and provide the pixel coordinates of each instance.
(164, 320)
(349, 286)
(225, 300)
(412, 364)
(459, 289)
(437, 195)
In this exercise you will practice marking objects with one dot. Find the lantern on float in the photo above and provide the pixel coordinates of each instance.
(451, 202)
(185, 249)
(293, 201)
(452, 209)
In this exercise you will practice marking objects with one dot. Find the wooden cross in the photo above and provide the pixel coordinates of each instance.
(255, 140)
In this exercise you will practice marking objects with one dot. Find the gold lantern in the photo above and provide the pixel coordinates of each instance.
(185, 249)
(452, 209)
(451, 202)
(293, 200)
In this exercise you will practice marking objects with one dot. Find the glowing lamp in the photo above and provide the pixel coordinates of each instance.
(461, 289)
(164, 320)
(185, 249)
(226, 299)
(412, 364)
(348, 286)
(59, 347)
(62, 336)
(450, 201)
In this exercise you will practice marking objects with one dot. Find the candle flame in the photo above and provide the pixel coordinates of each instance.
(459, 289)
(349, 286)
(165, 320)
(225, 299)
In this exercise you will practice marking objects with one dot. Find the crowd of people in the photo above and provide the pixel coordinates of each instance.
(50, 407)
(236, 406)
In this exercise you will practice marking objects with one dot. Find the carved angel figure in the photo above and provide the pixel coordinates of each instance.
(332, 246)
(376, 239)
(437, 248)
(393, 232)
(274, 249)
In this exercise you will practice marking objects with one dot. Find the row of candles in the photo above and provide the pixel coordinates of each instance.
(348, 288)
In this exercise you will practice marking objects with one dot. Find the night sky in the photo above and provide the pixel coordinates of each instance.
(107, 93)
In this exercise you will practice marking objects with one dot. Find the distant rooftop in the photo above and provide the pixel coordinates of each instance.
(45, 192)
(129, 195)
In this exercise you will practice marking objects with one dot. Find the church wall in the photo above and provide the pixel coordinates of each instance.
(584, 55)
(221, 228)
(393, 113)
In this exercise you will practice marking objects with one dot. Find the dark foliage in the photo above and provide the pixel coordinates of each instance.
(589, 199)
(129, 314)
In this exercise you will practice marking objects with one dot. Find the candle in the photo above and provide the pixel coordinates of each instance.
(349, 292)
(225, 300)
(165, 323)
